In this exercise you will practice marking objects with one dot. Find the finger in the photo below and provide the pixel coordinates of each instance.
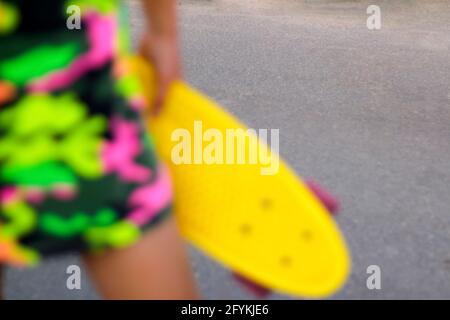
(159, 100)
(143, 47)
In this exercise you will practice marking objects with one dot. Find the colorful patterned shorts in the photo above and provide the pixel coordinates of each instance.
(78, 171)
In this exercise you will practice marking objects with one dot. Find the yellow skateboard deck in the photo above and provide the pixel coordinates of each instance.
(269, 228)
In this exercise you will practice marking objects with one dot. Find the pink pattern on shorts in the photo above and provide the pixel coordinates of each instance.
(149, 200)
(119, 154)
(101, 32)
(8, 195)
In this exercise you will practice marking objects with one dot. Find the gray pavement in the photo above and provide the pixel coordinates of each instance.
(367, 113)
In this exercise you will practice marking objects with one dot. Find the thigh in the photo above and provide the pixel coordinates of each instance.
(156, 267)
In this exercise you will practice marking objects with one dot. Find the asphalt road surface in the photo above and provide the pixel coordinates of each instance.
(367, 113)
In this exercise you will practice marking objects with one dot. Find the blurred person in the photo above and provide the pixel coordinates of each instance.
(78, 170)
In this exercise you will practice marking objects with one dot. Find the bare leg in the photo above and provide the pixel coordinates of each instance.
(157, 267)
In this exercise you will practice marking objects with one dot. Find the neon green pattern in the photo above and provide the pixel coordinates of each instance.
(32, 125)
(103, 6)
(45, 175)
(9, 18)
(23, 69)
(22, 219)
(56, 225)
(119, 235)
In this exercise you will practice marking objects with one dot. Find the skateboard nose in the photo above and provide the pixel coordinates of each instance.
(328, 200)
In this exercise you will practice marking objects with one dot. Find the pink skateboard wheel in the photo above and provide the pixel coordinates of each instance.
(327, 199)
(256, 289)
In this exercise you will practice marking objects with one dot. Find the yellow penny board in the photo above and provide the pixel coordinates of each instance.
(268, 228)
